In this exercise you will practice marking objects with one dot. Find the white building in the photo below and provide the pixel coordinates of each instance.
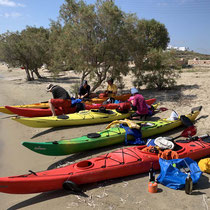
(177, 48)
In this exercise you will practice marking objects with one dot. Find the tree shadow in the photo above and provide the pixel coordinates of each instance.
(51, 79)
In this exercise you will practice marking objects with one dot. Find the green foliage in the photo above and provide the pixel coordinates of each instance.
(28, 48)
(74, 90)
(161, 69)
(92, 40)
(147, 35)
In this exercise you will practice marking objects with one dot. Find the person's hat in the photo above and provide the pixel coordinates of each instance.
(50, 87)
(84, 82)
(110, 80)
(134, 91)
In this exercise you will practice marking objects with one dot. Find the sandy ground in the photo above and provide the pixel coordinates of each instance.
(124, 193)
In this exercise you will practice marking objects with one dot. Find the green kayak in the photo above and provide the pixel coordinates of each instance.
(114, 135)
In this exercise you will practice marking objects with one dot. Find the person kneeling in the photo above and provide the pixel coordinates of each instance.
(139, 105)
(61, 99)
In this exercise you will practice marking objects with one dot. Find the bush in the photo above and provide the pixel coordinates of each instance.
(160, 70)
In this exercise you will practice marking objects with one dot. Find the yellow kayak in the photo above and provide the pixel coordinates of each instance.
(85, 117)
(3, 109)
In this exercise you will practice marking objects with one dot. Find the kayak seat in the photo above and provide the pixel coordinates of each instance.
(64, 117)
(93, 135)
(176, 147)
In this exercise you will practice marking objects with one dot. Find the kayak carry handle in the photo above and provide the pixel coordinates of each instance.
(34, 173)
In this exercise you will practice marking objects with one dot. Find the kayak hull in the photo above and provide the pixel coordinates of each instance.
(38, 112)
(120, 163)
(107, 137)
(123, 97)
(86, 117)
(3, 109)
(42, 109)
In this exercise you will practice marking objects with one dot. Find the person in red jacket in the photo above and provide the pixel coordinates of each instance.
(139, 104)
(61, 99)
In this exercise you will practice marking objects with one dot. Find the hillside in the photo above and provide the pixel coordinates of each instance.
(189, 55)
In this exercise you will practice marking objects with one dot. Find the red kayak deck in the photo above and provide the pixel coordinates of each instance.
(120, 163)
(37, 112)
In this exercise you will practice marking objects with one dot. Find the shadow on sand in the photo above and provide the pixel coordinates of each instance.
(62, 193)
(44, 197)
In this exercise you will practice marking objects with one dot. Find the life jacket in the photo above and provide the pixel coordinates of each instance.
(133, 132)
(151, 149)
(124, 108)
(168, 154)
(127, 122)
(103, 95)
(204, 165)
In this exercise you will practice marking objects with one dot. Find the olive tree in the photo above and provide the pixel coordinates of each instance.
(92, 40)
(27, 49)
(146, 35)
(161, 69)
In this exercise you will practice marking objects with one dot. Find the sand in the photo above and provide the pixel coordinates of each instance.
(123, 193)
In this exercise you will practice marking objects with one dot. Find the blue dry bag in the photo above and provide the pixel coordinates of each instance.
(133, 132)
(174, 172)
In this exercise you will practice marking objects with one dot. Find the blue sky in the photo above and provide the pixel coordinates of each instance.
(187, 21)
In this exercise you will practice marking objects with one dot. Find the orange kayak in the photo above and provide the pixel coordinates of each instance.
(123, 97)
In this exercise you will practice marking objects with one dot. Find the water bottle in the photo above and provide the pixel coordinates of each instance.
(151, 173)
(188, 184)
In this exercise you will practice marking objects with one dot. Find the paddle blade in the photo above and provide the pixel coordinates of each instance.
(186, 121)
(190, 131)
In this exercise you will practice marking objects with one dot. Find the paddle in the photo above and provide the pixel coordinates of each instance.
(188, 132)
(186, 121)
(199, 137)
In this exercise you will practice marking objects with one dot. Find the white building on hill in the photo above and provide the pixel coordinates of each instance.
(177, 48)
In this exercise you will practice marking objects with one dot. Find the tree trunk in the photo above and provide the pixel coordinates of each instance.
(100, 78)
(37, 73)
(28, 77)
(32, 74)
(84, 75)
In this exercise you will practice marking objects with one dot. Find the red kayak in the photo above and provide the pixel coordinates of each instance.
(120, 163)
(37, 112)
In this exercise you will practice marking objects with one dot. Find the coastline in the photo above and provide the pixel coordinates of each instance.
(123, 193)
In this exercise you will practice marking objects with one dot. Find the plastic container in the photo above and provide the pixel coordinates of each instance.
(152, 187)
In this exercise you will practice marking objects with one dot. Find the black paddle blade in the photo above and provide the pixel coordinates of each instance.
(190, 131)
(186, 121)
